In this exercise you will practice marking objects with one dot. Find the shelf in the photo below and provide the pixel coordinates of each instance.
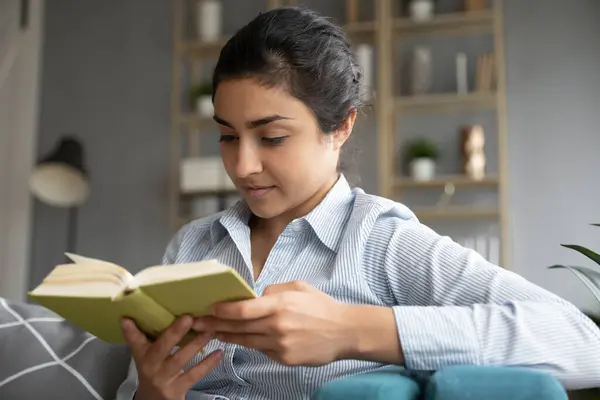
(427, 102)
(454, 212)
(457, 180)
(198, 49)
(360, 29)
(461, 23)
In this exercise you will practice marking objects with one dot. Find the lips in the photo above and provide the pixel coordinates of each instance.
(259, 191)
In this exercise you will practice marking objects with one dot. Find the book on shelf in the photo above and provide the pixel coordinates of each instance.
(486, 73)
(95, 295)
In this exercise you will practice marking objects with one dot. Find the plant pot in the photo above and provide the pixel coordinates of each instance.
(209, 20)
(421, 10)
(422, 169)
(204, 106)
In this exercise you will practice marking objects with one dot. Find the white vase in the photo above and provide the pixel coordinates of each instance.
(421, 70)
(422, 169)
(204, 106)
(421, 10)
(209, 20)
(364, 58)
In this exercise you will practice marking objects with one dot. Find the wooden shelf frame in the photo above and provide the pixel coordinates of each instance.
(383, 32)
(456, 212)
(442, 181)
(449, 24)
(488, 22)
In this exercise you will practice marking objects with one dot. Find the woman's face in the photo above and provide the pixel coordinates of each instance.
(272, 147)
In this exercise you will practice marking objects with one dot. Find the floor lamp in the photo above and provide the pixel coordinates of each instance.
(60, 179)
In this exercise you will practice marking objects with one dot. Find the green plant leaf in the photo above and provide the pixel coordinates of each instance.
(589, 277)
(592, 255)
(595, 224)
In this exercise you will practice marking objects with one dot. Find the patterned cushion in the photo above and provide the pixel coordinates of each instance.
(44, 357)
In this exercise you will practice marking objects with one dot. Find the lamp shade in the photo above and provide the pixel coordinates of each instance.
(60, 179)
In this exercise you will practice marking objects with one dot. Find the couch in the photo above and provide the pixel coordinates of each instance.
(44, 357)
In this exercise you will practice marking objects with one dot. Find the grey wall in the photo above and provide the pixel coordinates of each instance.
(553, 85)
(111, 85)
(106, 77)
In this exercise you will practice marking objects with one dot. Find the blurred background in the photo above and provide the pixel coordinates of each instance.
(484, 118)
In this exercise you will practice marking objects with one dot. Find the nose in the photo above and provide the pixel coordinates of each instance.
(247, 160)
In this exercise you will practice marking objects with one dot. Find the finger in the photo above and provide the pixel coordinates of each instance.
(176, 362)
(254, 341)
(135, 339)
(298, 286)
(163, 346)
(247, 309)
(213, 324)
(199, 371)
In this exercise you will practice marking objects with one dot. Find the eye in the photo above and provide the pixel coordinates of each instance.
(227, 138)
(275, 140)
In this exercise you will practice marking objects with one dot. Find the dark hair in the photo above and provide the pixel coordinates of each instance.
(301, 51)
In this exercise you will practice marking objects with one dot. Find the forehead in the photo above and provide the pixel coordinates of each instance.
(242, 100)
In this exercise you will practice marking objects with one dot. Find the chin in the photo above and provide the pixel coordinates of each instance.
(264, 210)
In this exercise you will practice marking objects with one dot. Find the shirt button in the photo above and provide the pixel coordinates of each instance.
(296, 225)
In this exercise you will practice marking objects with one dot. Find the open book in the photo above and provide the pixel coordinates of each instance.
(94, 294)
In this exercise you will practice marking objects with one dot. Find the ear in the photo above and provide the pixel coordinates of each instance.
(343, 133)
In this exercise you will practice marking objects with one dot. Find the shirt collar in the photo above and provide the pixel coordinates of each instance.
(326, 219)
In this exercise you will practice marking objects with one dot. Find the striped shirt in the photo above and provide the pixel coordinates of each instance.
(451, 306)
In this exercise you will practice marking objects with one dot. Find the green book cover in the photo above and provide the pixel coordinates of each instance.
(94, 295)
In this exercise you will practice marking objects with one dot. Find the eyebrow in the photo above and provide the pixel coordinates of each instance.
(254, 123)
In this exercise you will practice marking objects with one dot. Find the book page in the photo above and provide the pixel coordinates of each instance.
(87, 277)
(169, 273)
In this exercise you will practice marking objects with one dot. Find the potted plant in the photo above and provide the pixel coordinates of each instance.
(422, 155)
(201, 99)
(589, 276)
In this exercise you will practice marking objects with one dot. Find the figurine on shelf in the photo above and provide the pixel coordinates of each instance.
(473, 154)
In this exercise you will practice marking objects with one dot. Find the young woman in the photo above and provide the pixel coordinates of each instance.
(348, 281)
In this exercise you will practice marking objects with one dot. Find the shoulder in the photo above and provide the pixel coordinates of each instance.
(189, 236)
(381, 212)
(389, 226)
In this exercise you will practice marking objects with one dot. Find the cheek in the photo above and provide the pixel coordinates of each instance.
(301, 162)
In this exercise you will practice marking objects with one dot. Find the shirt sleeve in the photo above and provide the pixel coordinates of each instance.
(455, 307)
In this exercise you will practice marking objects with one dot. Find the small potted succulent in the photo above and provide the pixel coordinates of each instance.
(201, 99)
(422, 155)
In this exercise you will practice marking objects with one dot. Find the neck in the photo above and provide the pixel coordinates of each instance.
(274, 226)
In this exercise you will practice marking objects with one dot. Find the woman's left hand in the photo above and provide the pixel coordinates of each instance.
(293, 323)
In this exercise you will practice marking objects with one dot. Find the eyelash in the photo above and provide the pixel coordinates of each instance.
(274, 141)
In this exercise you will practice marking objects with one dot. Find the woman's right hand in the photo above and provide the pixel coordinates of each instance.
(160, 373)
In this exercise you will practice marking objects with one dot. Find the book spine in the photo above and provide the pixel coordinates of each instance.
(150, 317)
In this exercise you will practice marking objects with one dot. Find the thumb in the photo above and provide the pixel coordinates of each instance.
(296, 286)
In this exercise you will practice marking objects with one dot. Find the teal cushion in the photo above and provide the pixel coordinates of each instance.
(382, 384)
(492, 383)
